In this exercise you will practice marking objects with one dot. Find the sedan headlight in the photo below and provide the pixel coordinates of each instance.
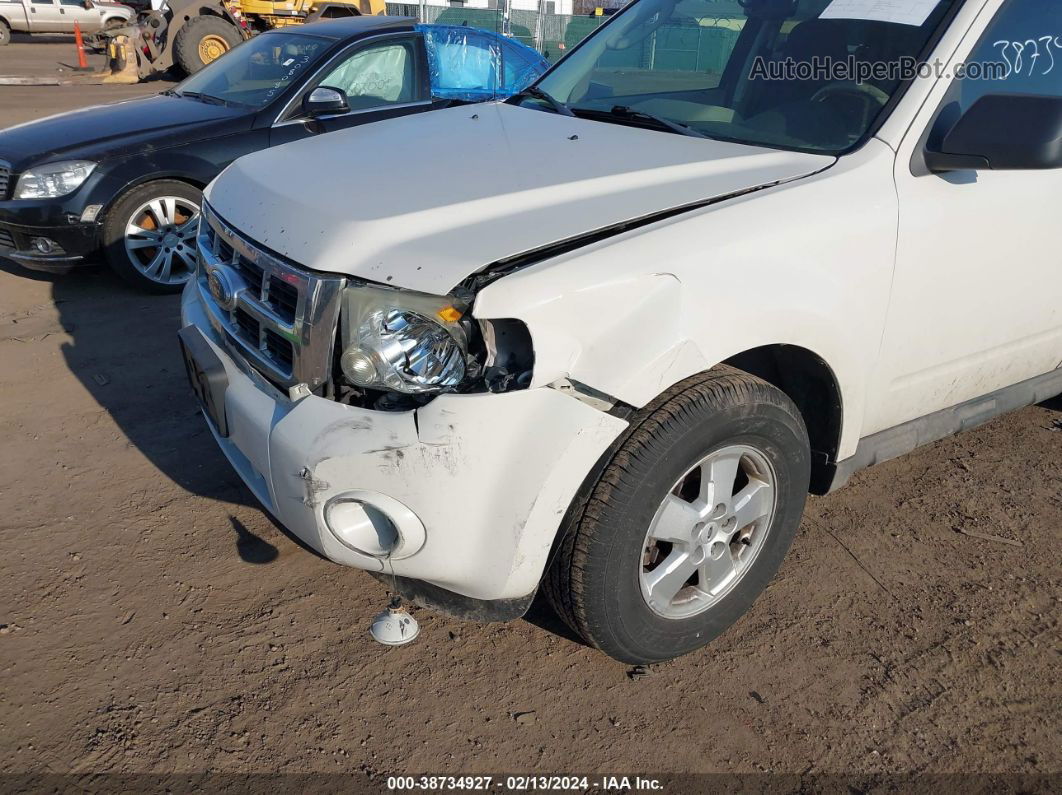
(401, 341)
(53, 180)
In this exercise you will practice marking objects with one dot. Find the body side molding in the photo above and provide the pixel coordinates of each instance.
(902, 439)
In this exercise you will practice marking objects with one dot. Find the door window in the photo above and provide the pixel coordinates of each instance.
(383, 74)
(1020, 53)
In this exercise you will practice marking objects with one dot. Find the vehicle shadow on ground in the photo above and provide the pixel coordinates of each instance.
(123, 350)
(542, 615)
(1054, 404)
(250, 547)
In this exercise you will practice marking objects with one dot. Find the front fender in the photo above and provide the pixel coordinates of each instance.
(633, 338)
(800, 264)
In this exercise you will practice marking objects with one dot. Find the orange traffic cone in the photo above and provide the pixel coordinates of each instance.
(82, 63)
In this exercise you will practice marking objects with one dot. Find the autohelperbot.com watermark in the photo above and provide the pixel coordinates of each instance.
(1033, 57)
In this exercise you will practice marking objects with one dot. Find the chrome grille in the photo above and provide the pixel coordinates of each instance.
(278, 317)
(5, 178)
(6, 240)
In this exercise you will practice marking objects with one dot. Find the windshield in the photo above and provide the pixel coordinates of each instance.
(255, 72)
(810, 75)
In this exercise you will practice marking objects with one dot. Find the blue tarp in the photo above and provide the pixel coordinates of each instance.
(475, 65)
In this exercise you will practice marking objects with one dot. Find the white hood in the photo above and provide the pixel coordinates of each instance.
(423, 201)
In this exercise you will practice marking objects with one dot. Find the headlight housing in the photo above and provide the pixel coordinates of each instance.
(402, 341)
(53, 180)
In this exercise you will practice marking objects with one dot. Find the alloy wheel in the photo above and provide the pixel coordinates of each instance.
(708, 531)
(160, 239)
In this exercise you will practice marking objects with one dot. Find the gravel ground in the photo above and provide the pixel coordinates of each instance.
(153, 619)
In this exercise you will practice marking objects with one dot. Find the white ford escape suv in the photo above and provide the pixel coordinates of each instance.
(604, 338)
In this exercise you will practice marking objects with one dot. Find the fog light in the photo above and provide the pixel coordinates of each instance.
(373, 524)
(44, 245)
(361, 527)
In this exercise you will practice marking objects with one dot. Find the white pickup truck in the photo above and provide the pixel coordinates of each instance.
(606, 338)
(59, 16)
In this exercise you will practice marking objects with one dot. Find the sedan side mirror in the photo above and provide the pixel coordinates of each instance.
(1003, 132)
(325, 101)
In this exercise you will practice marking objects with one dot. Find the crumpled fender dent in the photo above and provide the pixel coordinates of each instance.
(622, 337)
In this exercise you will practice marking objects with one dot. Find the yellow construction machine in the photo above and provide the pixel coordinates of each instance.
(265, 14)
(188, 34)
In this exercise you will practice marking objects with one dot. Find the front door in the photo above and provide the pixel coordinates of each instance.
(977, 299)
(381, 78)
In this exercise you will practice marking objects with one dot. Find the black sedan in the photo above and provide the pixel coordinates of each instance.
(126, 178)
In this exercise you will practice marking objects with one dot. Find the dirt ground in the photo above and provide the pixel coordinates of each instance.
(153, 619)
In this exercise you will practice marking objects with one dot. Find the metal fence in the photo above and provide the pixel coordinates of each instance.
(698, 46)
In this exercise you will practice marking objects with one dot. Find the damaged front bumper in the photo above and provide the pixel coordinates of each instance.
(474, 486)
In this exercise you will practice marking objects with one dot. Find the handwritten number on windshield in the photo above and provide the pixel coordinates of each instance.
(1015, 54)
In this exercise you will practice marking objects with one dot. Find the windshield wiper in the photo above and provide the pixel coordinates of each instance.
(553, 102)
(624, 112)
(207, 98)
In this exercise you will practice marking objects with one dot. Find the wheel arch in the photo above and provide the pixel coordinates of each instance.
(180, 176)
(809, 381)
(800, 373)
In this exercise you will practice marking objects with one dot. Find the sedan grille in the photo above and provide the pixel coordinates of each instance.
(5, 179)
(276, 316)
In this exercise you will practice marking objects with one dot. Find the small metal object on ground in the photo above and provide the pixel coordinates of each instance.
(638, 672)
(394, 627)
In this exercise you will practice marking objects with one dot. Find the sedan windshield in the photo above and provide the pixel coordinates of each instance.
(809, 75)
(256, 72)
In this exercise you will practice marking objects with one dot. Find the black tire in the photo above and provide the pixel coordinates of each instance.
(5, 33)
(593, 582)
(186, 44)
(119, 216)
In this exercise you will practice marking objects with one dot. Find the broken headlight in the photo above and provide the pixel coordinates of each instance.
(402, 341)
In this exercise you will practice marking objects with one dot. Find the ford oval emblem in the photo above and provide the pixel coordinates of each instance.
(221, 289)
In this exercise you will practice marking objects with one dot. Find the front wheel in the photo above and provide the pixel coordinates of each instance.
(5, 33)
(688, 521)
(149, 235)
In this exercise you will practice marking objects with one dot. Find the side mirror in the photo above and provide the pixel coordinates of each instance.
(325, 101)
(88, 5)
(1003, 132)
